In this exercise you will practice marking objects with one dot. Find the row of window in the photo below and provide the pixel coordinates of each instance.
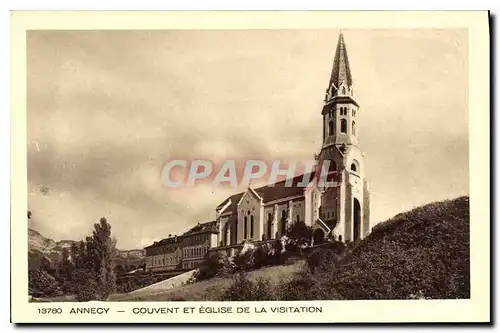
(328, 215)
(196, 252)
(161, 250)
(245, 226)
(343, 127)
(198, 239)
(333, 167)
(160, 262)
(247, 235)
(169, 261)
(283, 220)
(191, 264)
(343, 112)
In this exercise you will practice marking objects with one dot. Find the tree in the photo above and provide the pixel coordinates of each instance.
(41, 283)
(65, 265)
(300, 234)
(65, 271)
(102, 249)
(94, 272)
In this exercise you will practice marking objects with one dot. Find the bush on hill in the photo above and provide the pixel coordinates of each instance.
(42, 284)
(254, 256)
(326, 256)
(214, 264)
(243, 289)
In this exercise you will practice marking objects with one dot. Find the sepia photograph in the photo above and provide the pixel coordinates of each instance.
(247, 165)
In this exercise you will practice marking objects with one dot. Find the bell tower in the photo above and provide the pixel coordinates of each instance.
(345, 206)
(340, 109)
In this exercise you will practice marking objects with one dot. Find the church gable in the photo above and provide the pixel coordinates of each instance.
(249, 198)
(249, 216)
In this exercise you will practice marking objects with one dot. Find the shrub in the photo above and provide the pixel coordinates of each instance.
(299, 235)
(297, 288)
(244, 289)
(42, 284)
(273, 251)
(307, 286)
(259, 257)
(85, 286)
(254, 256)
(322, 259)
(214, 264)
(244, 260)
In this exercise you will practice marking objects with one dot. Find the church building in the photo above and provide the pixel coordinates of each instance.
(340, 211)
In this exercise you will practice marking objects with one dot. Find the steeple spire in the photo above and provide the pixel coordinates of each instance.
(341, 71)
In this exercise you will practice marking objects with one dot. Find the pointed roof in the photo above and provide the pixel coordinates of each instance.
(269, 193)
(341, 71)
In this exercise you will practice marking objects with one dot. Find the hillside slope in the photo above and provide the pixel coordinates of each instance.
(423, 253)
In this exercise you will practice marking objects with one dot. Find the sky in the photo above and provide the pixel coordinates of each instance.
(107, 110)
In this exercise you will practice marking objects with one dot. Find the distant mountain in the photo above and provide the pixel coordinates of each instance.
(42, 250)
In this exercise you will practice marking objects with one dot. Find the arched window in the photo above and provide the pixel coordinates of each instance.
(355, 166)
(343, 90)
(245, 227)
(251, 226)
(298, 218)
(226, 234)
(283, 222)
(330, 128)
(269, 225)
(353, 128)
(343, 126)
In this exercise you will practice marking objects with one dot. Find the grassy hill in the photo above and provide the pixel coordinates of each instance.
(423, 253)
